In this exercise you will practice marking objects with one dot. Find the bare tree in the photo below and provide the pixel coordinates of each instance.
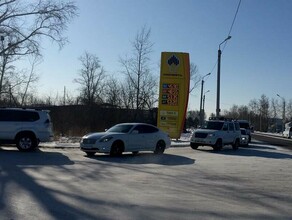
(128, 94)
(195, 78)
(289, 110)
(24, 23)
(91, 79)
(113, 94)
(274, 104)
(233, 112)
(138, 72)
(264, 112)
(29, 79)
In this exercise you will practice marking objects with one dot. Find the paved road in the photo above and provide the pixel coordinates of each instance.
(274, 139)
(251, 183)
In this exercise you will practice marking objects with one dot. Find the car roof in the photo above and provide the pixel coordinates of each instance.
(134, 123)
(23, 109)
(243, 121)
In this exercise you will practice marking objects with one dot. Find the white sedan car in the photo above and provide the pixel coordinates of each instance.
(126, 137)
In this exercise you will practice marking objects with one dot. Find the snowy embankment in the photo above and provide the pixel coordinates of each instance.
(73, 142)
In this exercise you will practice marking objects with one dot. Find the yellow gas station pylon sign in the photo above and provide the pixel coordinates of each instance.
(173, 92)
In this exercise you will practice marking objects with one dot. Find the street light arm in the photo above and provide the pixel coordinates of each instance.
(207, 92)
(229, 37)
(206, 75)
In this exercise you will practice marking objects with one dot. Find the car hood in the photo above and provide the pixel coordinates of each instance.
(98, 135)
(205, 131)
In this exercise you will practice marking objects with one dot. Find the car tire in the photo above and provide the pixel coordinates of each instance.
(194, 146)
(218, 145)
(117, 149)
(90, 154)
(26, 142)
(235, 145)
(160, 147)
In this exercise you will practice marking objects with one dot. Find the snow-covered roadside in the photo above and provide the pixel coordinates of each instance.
(73, 142)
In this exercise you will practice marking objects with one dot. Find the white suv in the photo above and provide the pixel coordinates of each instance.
(25, 127)
(216, 133)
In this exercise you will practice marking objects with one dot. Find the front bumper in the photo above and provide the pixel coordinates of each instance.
(203, 141)
(94, 148)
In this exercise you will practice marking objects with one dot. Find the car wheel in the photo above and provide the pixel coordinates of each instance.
(218, 145)
(135, 152)
(90, 154)
(116, 149)
(26, 142)
(194, 146)
(235, 145)
(160, 147)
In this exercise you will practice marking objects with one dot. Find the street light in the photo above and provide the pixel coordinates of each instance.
(284, 111)
(204, 102)
(202, 89)
(218, 78)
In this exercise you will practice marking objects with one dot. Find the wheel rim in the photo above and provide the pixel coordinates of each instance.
(25, 143)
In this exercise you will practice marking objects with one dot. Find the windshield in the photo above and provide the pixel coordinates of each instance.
(120, 128)
(213, 125)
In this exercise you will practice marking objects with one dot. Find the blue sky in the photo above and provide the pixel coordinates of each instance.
(256, 60)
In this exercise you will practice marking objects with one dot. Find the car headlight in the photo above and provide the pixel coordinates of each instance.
(105, 139)
(243, 138)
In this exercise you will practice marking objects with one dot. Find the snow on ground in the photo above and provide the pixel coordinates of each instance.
(73, 142)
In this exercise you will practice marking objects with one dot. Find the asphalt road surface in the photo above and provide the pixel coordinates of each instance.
(251, 183)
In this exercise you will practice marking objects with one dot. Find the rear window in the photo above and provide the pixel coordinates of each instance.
(244, 125)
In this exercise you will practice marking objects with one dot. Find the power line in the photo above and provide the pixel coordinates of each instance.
(234, 17)
(229, 33)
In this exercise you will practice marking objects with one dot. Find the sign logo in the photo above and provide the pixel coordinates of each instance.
(173, 63)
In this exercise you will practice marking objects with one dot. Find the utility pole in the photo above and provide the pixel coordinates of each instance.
(218, 78)
(202, 90)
